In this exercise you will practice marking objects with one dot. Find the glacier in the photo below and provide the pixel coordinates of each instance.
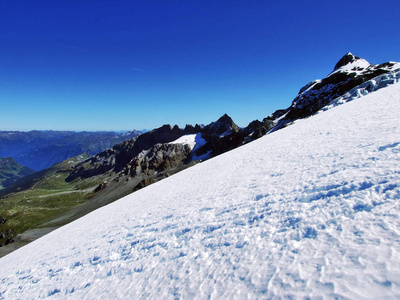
(309, 211)
(365, 88)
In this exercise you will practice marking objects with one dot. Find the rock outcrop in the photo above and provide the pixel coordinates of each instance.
(157, 159)
(350, 72)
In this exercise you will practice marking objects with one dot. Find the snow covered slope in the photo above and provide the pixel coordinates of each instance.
(312, 210)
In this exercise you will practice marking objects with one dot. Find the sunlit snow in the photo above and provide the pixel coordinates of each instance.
(311, 210)
(194, 141)
(359, 66)
(356, 65)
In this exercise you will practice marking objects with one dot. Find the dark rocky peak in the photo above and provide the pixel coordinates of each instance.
(348, 58)
(225, 118)
(176, 128)
(350, 72)
(159, 158)
(223, 125)
(190, 129)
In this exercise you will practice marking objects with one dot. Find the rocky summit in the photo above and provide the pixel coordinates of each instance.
(350, 72)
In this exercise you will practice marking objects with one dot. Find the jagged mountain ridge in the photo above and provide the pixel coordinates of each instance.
(132, 156)
(220, 136)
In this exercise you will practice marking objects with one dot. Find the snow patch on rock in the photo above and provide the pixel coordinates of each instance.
(194, 141)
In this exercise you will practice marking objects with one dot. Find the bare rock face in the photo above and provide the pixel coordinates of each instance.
(257, 129)
(345, 60)
(223, 126)
(159, 158)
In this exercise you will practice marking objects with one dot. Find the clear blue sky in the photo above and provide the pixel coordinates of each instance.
(123, 65)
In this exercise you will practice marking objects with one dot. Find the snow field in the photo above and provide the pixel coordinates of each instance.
(193, 140)
(311, 210)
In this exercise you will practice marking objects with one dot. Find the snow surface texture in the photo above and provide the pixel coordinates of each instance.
(311, 210)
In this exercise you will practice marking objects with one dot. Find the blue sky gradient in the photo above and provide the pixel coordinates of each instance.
(124, 65)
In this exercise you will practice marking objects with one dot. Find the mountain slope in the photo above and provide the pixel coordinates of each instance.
(311, 210)
(38, 198)
(11, 171)
(155, 155)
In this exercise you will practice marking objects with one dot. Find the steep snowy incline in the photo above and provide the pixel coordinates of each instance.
(312, 210)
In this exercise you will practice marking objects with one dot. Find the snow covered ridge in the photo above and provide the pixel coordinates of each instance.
(350, 72)
(312, 210)
(351, 63)
(365, 88)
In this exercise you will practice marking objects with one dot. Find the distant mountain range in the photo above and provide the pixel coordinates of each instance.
(41, 149)
(149, 157)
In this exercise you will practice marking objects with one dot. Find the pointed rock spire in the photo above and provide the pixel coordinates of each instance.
(348, 58)
(222, 125)
(225, 119)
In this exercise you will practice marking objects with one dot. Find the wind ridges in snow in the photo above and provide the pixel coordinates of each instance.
(311, 210)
